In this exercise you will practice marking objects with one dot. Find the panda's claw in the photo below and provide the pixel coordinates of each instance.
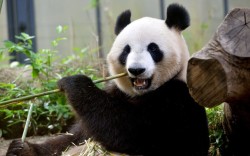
(15, 148)
(18, 148)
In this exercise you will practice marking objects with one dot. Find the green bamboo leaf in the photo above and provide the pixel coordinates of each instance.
(26, 36)
(61, 38)
(15, 122)
(20, 38)
(35, 73)
(19, 48)
(59, 29)
(7, 85)
(54, 43)
(9, 44)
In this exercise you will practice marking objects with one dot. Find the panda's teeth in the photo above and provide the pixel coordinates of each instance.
(139, 82)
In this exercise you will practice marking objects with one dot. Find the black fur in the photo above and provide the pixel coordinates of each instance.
(122, 21)
(123, 57)
(166, 120)
(177, 17)
(155, 52)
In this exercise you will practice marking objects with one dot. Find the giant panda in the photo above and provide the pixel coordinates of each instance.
(150, 111)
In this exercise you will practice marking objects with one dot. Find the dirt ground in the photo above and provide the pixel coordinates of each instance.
(4, 144)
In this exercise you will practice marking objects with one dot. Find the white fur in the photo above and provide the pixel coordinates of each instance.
(138, 35)
(141, 59)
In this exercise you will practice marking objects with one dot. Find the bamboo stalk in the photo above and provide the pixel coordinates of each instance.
(28, 97)
(27, 123)
(56, 90)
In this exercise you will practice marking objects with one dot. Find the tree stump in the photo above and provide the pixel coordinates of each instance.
(220, 72)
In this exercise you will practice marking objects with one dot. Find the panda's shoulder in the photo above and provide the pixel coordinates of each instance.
(176, 89)
(175, 85)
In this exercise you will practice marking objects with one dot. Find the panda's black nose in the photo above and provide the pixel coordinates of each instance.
(136, 71)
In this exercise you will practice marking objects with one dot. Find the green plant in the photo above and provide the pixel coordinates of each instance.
(51, 113)
(216, 133)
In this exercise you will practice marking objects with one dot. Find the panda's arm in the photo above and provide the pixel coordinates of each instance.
(86, 97)
(107, 119)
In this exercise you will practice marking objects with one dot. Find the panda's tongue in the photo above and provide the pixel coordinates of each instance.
(140, 82)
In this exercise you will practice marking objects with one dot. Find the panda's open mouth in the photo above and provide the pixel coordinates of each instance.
(140, 84)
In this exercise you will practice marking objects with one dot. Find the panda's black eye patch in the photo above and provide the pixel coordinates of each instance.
(124, 54)
(155, 52)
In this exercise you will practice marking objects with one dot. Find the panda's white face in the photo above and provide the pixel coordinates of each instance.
(151, 53)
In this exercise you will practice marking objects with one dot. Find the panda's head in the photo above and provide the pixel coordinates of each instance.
(150, 50)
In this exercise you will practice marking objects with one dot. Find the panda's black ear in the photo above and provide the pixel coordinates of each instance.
(122, 21)
(177, 17)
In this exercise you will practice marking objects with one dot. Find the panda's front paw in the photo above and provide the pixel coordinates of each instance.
(75, 84)
(19, 148)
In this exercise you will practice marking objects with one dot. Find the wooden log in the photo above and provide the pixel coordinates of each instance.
(220, 72)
